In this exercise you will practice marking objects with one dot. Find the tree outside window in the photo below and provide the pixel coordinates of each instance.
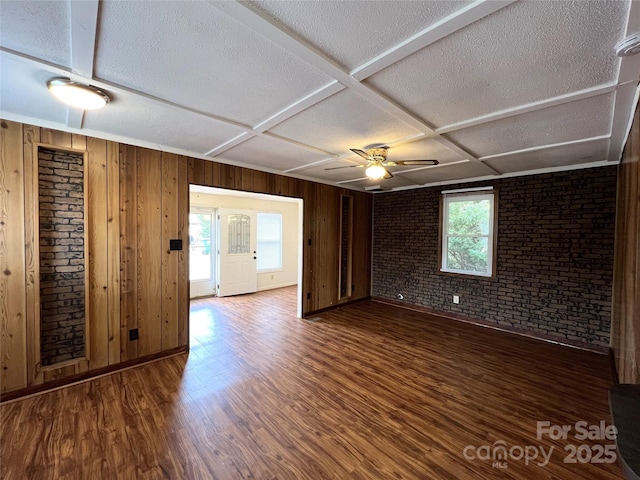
(467, 233)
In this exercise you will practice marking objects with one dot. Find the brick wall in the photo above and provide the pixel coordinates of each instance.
(554, 255)
(62, 262)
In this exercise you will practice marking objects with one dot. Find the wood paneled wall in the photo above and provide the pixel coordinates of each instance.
(136, 201)
(321, 235)
(625, 325)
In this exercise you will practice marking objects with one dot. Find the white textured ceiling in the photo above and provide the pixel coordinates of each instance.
(488, 88)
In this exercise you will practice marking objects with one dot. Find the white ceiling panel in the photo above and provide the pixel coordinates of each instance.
(186, 130)
(387, 184)
(426, 149)
(586, 118)
(563, 156)
(367, 28)
(23, 91)
(324, 124)
(39, 29)
(266, 152)
(320, 171)
(195, 55)
(286, 85)
(445, 173)
(523, 53)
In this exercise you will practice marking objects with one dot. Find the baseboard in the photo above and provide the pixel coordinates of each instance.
(333, 307)
(494, 326)
(89, 375)
(281, 285)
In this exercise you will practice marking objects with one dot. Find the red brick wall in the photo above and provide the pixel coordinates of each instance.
(62, 262)
(554, 255)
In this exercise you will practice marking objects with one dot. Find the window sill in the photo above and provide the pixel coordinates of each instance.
(468, 275)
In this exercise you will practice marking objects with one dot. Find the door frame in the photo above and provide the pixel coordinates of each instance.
(300, 231)
(213, 248)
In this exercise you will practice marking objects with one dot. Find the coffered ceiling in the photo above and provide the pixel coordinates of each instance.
(488, 88)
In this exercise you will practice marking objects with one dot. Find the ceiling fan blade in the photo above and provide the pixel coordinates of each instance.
(417, 162)
(348, 166)
(387, 174)
(362, 153)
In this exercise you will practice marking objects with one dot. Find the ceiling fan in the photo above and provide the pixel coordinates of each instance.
(377, 163)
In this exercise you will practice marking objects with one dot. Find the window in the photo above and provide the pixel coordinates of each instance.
(468, 227)
(200, 246)
(269, 241)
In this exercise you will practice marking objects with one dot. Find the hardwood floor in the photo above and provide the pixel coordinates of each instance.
(369, 391)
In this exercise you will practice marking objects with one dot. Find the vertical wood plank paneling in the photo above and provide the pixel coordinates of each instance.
(128, 251)
(329, 238)
(625, 322)
(136, 202)
(208, 173)
(56, 137)
(113, 252)
(149, 188)
(191, 170)
(362, 217)
(309, 249)
(78, 142)
(96, 241)
(247, 180)
(198, 171)
(259, 182)
(227, 179)
(32, 253)
(215, 169)
(170, 205)
(183, 255)
(13, 335)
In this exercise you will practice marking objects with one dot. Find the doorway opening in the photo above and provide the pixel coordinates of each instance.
(241, 242)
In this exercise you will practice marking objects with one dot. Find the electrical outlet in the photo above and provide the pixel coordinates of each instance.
(456, 299)
(133, 334)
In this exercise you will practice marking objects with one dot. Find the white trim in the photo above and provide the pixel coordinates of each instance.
(540, 171)
(461, 196)
(464, 190)
(84, 24)
(448, 25)
(544, 147)
(528, 107)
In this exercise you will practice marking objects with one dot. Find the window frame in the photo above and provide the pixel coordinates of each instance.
(492, 236)
(281, 267)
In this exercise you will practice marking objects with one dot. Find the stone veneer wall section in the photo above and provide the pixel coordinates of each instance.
(62, 262)
(554, 255)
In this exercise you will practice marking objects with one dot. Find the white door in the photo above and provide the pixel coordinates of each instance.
(202, 253)
(237, 245)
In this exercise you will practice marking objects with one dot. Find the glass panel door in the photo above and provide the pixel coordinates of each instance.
(202, 253)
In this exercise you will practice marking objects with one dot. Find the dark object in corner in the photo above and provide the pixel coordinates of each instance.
(624, 401)
(175, 244)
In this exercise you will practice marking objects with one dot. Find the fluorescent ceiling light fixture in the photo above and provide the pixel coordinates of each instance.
(375, 172)
(77, 95)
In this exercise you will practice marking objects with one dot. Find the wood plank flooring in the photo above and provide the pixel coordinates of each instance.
(369, 391)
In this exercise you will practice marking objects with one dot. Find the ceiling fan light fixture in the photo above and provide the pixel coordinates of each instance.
(74, 94)
(375, 172)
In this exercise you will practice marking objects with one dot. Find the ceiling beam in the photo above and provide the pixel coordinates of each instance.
(448, 25)
(242, 12)
(305, 102)
(545, 147)
(528, 107)
(620, 123)
(84, 24)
